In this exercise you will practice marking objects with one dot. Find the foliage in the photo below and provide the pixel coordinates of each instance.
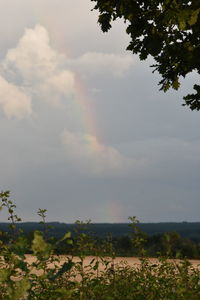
(168, 30)
(46, 276)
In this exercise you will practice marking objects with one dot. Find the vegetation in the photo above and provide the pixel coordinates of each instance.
(168, 30)
(189, 230)
(47, 277)
(184, 236)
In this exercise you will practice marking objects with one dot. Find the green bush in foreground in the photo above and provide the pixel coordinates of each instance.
(46, 277)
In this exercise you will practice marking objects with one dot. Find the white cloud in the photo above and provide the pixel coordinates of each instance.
(38, 65)
(33, 58)
(84, 151)
(33, 68)
(36, 69)
(15, 102)
(98, 63)
(56, 87)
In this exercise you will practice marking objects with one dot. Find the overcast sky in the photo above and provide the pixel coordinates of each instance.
(84, 130)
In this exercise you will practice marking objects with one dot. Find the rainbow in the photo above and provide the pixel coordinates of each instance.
(87, 114)
(81, 98)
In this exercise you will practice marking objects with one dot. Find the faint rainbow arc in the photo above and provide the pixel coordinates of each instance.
(83, 100)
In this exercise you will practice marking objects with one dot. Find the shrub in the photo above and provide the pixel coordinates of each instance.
(46, 276)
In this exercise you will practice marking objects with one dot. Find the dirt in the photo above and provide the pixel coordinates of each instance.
(131, 261)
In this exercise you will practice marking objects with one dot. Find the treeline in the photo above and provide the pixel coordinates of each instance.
(169, 244)
(184, 229)
(121, 237)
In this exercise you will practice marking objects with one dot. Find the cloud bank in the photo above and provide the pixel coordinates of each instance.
(100, 63)
(35, 70)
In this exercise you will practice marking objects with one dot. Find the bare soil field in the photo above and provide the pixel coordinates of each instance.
(131, 261)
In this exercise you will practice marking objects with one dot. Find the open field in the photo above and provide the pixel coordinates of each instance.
(131, 261)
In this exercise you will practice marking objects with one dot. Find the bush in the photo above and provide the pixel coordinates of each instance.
(46, 276)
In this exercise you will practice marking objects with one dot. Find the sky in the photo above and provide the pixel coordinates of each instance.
(85, 132)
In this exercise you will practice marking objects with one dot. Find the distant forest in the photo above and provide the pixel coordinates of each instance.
(57, 229)
(179, 240)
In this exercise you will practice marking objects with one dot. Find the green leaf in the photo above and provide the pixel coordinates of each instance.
(4, 275)
(70, 242)
(20, 289)
(176, 84)
(65, 268)
(39, 245)
(194, 17)
(66, 236)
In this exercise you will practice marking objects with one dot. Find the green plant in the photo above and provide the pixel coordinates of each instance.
(43, 275)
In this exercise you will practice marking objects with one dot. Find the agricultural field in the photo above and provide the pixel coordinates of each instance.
(134, 262)
(42, 276)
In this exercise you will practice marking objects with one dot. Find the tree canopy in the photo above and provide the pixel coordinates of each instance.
(168, 30)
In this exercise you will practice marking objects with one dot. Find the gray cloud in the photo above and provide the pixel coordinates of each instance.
(90, 156)
(101, 63)
(146, 160)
